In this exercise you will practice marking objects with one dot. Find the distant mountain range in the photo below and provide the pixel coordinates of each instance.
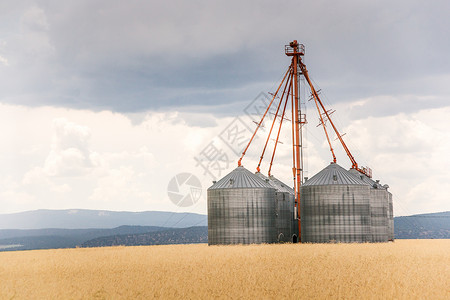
(424, 226)
(88, 219)
(49, 229)
(20, 239)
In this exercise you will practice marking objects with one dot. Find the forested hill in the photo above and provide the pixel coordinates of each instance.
(424, 226)
(191, 235)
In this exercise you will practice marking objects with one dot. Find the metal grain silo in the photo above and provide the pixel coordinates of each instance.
(335, 207)
(285, 199)
(381, 210)
(241, 210)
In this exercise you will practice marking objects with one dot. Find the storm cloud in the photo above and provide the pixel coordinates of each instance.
(136, 56)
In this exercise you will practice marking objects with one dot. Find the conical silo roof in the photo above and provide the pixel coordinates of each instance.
(363, 177)
(281, 185)
(240, 178)
(334, 174)
(374, 184)
(277, 184)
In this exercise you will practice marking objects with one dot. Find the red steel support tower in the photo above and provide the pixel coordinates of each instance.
(296, 50)
(291, 90)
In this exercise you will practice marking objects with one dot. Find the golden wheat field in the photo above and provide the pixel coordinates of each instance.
(405, 269)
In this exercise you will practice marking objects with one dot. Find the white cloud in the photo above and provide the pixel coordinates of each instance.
(85, 159)
(12, 196)
(69, 154)
(101, 160)
(4, 61)
(34, 19)
(122, 186)
(409, 152)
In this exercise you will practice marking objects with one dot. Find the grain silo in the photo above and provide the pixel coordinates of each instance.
(241, 210)
(286, 224)
(381, 209)
(335, 207)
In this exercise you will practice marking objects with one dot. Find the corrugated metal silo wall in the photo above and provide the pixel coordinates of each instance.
(379, 210)
(241, 216)
(285, 215)
(335, 213)
(390, 218)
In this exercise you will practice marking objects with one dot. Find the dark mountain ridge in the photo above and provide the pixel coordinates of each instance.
(53, 238)
(191, 235)
(423, 226)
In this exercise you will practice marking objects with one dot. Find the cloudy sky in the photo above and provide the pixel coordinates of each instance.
(102, 103)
